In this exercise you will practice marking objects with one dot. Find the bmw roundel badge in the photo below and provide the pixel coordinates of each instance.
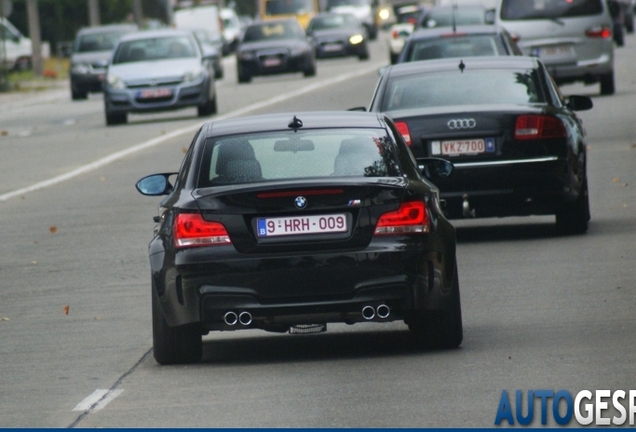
(300, 202)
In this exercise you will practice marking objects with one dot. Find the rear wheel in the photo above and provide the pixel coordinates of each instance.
(173, 345)
(574, 218)
(440, 329)
(607, 84)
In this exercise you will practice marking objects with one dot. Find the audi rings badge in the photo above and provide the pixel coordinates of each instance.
(461, 123)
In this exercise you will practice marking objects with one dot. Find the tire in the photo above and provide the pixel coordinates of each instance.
(79, 95)
(394, 58)
(208, 108)
(440, 329)
(242, 76)
(116, 118)
(574, 218)
(629, 23)
(364, 55)
(607, 84)
(310, 71)
(173, 345)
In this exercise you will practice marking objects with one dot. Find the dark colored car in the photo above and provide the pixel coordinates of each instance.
(273, 47)
(337, 35)
(449, 16)
(158, 71)
(517, 144)
(466, 41)
(92, 50)
(288, 222)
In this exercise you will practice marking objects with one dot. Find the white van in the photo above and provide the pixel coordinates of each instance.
(16, 49)
(572, 37)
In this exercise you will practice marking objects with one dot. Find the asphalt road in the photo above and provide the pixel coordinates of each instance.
(541, 311)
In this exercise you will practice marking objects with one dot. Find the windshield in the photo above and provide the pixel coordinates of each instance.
(97, 41)
(336, 3)
(477, 87)
(455, 46)
(160, 48)
(281, 30)
(338, 21)
(288, 7)
(298, 155)
(549, 9)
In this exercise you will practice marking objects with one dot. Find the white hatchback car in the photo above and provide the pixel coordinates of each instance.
(572, 37)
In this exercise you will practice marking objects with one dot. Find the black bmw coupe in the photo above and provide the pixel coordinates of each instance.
(289, 222)
(516, 143)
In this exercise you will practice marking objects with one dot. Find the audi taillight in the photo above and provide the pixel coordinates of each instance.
(410, 218)
(190, 229)
(599, 32)
(403, 129)
(538, 126)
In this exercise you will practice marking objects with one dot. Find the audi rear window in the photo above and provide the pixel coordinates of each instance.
(456, 46)
(472, 87)
(288, 155)
(549, 9)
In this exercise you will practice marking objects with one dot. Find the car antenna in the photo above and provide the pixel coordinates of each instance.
(462, 66)
(454, 21)
(296, 123)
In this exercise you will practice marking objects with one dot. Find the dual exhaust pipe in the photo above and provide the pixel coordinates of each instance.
(232, 318)
(369, 312)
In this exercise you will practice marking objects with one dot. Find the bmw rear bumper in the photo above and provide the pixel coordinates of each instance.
(289, 289)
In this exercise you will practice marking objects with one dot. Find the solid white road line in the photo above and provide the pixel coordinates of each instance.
(97, 400)
(185, 130)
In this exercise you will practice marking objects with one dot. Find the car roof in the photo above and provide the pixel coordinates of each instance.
(452, 64)
(108, 28)
(272, 21)
(471, 7)
(148, 34)
(281, 121)
(436, 32)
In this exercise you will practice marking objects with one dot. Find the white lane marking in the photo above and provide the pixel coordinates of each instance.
(177, 132)
(97, 400)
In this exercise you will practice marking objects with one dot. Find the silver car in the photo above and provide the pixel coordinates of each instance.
(572, 37)
(156, 71)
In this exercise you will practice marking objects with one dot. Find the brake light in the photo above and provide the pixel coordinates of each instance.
(599, 32)
(403, 129)
(190, 229)
(515, 37)
(538, 126)
(410, 218)
(395, 34)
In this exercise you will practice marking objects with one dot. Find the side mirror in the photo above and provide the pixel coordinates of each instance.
(363, 109)
(579, 103)
(155, 185)
(435, 168)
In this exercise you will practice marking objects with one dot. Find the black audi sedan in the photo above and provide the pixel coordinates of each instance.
(273, 47)
(287, 222)
(516, 143)
(338, 35)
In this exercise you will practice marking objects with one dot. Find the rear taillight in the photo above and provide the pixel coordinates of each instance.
(410, 218)
(190, 229)
(515, 37)
(403, 129)
(599, 32)
(538, 126)
(395, 34)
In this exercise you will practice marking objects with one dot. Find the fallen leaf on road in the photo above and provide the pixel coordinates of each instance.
(616, 180)
(5, 319)
(53, 229)
(66, 308)
(4, 132)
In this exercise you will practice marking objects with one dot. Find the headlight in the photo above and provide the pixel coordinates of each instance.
(193, 75)
(384, 14)
(115, 82)
(79, 68)
(246, 55)
(356, 39)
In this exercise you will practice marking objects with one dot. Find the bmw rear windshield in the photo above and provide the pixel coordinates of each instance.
(549, 9)
(289, 155)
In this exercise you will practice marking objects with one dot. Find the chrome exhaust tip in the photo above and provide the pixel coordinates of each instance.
(383, 311)
(368, 312)
(230, 318)
(245, 318)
